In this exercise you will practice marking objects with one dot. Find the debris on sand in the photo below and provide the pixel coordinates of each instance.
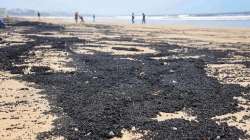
(126, 49)
(159, 91)
(175, 128)
(24, 89)
(111, 134)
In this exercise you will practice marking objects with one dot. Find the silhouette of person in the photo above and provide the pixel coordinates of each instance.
(143, 18)
(133, 18)
(81, 18)
(76, 17)
(38, 15)
(94, 18)
(2, 25)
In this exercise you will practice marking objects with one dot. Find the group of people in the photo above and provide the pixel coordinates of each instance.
(81, 17)
(143, 18)
(133, 18)
(77, 16)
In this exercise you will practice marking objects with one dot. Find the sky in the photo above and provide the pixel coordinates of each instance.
(122, 7)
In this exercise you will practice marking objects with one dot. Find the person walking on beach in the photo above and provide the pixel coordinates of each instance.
(38, 15)
(133, 18)
(143, 18)
(76, 17)
(94, 18)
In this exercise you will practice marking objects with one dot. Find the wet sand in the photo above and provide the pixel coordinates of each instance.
(116, 81)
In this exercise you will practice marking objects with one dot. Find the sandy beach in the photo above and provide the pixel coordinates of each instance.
(117, 81)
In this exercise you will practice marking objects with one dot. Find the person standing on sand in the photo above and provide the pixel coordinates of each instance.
(143, 18)
(76, 17)
(133, 18)
(94, 18)
(38, 15)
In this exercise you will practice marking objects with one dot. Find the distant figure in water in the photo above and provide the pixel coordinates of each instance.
(94, 18)
(143, 18)
(38, 15)
(133, 18)
(81, 18)
(76, 17)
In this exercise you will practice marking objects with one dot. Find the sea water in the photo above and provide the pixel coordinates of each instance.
(201, 21)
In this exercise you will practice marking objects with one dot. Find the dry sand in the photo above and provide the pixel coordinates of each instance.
(225, 52)
(22, 110)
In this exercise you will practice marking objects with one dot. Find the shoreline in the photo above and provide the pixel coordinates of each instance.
(113, 21)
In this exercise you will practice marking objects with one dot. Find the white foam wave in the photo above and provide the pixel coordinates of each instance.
(238, 17)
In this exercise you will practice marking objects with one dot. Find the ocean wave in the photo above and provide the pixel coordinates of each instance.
(238, 17)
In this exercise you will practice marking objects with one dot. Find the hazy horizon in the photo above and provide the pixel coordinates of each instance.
(113, 7)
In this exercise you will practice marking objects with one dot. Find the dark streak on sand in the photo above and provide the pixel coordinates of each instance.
(120, 94)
